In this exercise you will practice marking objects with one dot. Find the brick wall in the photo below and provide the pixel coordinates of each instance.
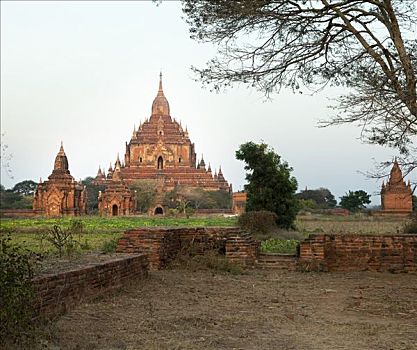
(55, 293)
(19, 213)
(163, 244)
(332, 252)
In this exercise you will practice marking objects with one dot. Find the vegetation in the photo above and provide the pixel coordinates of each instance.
(283, 246)
(320, 198)
(62, 238)
(19, 197)
(258, 222)
(270, 184)
(182, 198)
(98, 234)
(92, 194)
(145, 193)
(16, 293)
(355, 201)
(367, 46)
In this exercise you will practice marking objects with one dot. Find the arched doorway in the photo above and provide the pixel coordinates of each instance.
(160, 162)
(159, 211)
(115, 210)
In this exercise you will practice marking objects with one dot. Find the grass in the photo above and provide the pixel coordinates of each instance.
(286, 246)
(99, 234)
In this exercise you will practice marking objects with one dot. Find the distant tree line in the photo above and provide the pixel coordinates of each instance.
(18, 197)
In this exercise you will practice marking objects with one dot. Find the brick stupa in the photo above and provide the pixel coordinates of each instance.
(60, 194)
(396, 195)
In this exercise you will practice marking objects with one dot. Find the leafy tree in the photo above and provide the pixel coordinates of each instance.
(12, 200)
(270, 184)
(145, 193)
(367, 46)
(354, 201)
(414, 199)
(182, 197)
(322, 197)
(92, 194)
(26, 188)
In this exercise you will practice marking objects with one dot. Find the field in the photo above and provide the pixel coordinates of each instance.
(100, 234)
(180, 309)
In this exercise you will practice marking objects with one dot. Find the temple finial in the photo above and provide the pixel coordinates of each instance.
(160, 82)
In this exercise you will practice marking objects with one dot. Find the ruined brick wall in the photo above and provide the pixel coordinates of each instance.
(19, 213)
(56, 293)
(163, 244)
(332, 252)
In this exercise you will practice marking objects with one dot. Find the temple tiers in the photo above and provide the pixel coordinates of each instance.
(61, 194)
(396, 195)
(160, 149)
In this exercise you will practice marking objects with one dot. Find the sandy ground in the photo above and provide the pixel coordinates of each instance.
(177, 309)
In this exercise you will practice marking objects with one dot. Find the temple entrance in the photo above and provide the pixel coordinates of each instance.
(159, 211)
(115, 210)
(160, 163)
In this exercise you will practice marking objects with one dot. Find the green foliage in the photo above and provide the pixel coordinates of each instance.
(305, 204)
(92, 194)
(270, 184)
(110, 246)
(285, 246)
(322, 197)
(13, 200)
(355, 201)
(258, 222)
(63, 238)
(183, 197)
(25, 188)
(145, 193)
(414, 199)
(16, 292)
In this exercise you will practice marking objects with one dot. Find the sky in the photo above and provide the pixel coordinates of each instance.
(86, 72)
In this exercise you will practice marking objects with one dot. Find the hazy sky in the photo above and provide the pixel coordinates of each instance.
(86, 72)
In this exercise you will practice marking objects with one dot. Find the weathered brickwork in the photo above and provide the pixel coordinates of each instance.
(331, 252)
(60, 195)
(160, 150)
(163, 244)
(56, 293)
(396, 195)
(239, 202)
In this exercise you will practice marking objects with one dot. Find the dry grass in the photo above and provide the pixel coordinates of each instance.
(177, 309)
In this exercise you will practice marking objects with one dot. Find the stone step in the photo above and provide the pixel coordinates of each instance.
(276, 261)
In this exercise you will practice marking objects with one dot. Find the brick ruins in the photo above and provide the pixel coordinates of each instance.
(61, 194)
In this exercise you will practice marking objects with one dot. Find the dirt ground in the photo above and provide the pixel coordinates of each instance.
(177, 309)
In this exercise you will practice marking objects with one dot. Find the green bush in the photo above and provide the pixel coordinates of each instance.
(258, 222)
(16, 292)
(286, 246)
(63, 238)
(411, 227)
(110, 246)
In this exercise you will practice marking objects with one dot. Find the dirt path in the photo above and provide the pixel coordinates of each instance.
(176, 309)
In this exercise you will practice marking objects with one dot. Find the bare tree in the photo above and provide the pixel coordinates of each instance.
(368, 46)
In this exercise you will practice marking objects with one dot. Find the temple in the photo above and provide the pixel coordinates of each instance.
(396, 195)
(161, 150)
(60, 195)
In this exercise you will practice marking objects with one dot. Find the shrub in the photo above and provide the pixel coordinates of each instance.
(287, 246)
(258, 222)
(63, 238)
(411, 227)
(110, 246)
(16, 293)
